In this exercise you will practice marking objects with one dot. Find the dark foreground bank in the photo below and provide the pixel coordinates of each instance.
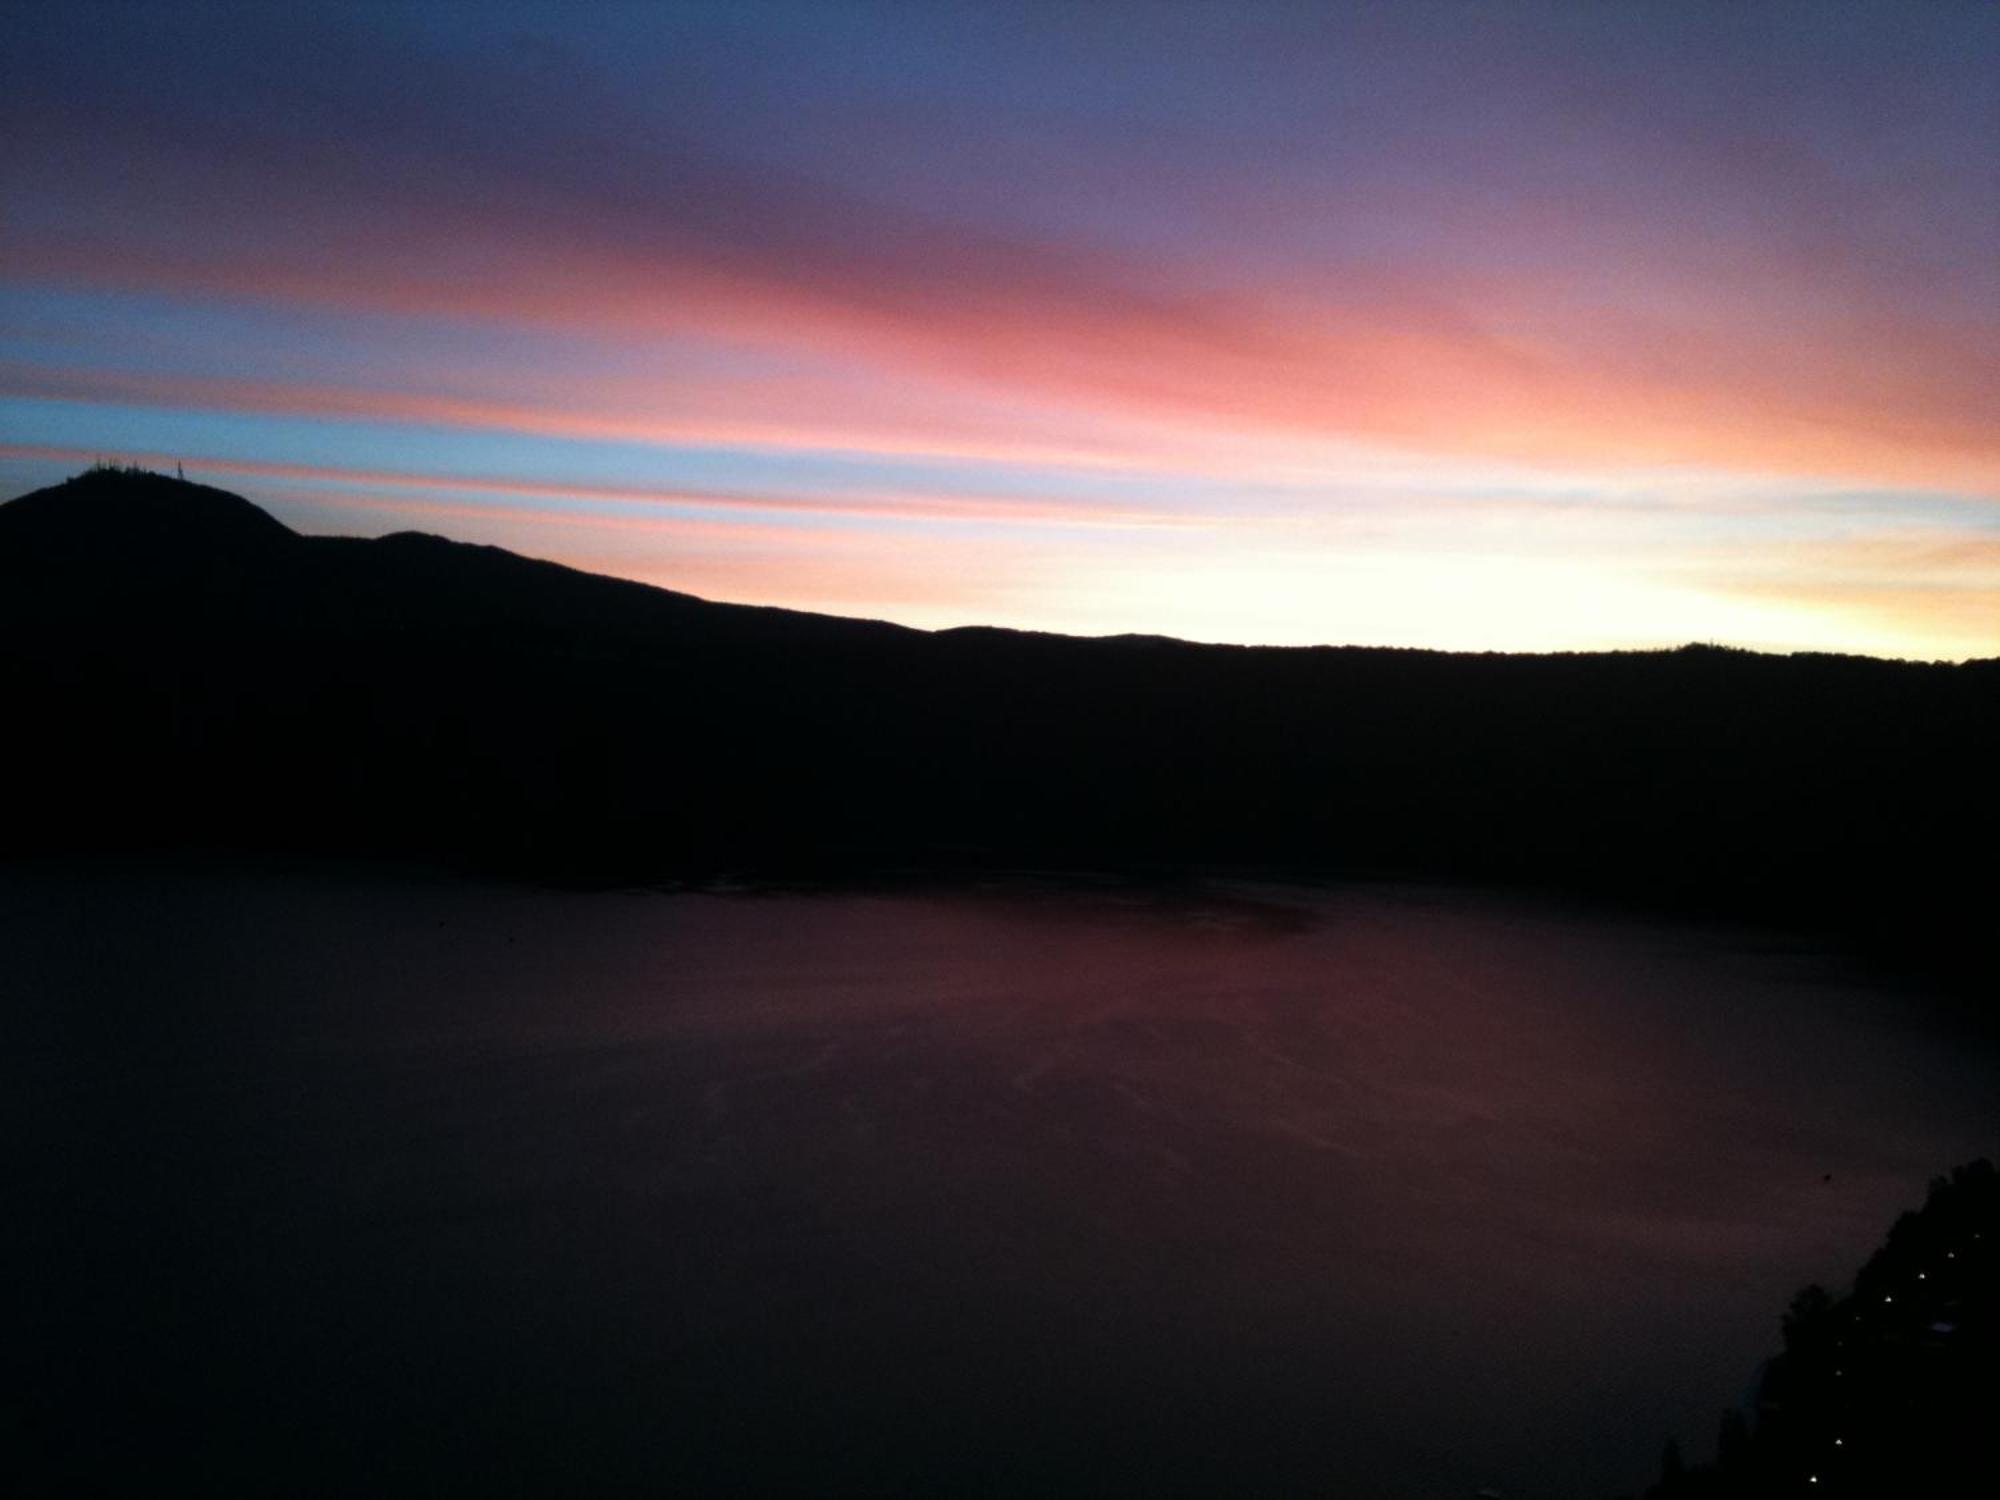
(1890, 1389)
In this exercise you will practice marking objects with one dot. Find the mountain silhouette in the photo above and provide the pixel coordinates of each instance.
(116, 517)
(185, 670)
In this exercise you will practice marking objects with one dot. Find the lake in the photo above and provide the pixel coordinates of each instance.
(333, 1180)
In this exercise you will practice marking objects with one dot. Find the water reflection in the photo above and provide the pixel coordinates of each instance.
(1248, 1190)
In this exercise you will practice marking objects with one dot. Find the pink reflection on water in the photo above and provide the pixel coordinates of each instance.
(1416, 1188)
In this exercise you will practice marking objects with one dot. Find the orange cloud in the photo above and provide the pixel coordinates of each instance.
(1365, 359)
(897, 507)
(1600, 331)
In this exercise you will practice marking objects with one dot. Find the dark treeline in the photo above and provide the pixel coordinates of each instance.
(1892, 1389)
(183, 669)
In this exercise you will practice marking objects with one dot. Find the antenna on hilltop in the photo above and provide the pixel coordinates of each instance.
(177, 470)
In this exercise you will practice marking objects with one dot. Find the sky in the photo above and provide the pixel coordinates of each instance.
(1483, 327)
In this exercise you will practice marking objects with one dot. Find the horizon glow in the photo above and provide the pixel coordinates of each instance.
(1508, 328)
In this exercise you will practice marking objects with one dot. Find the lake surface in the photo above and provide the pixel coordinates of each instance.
(332, 1181)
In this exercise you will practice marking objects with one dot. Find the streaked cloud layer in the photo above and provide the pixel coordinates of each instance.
(1446, 325)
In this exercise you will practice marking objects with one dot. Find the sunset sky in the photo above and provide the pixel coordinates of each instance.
(1476, 326)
